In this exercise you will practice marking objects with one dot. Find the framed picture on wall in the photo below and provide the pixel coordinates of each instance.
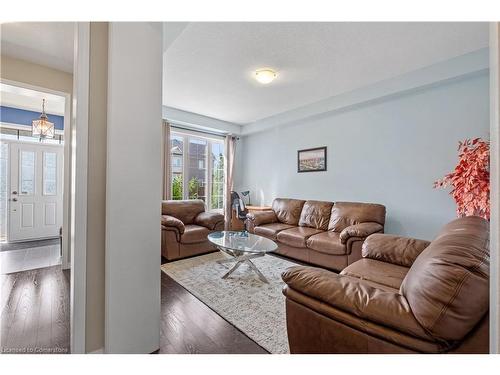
(311, 160)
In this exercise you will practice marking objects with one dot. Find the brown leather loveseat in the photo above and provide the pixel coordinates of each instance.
(326, 234)
(185, 226)
(404, 296)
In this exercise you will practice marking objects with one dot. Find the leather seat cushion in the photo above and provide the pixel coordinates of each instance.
(194, 234)
(184, 210)
(271, 230)
(345, 214)
(288, 210)
(327, 242)
(316, 214)
(382, 273)
(297, 237)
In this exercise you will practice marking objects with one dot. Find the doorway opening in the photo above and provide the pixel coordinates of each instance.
(34, 220)
(32, 184)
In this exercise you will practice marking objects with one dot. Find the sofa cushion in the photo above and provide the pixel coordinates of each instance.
(393, 249)
(383, 273)
(297, 236)
(327, 242)
(210, 220)
(271, 230)
(194, 234)
(262, 217)
(315, 214)
(288, 210)
(354, 297)
(345, 214)
(447, 286)
(184, 210)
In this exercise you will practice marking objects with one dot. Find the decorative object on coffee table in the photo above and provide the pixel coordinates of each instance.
(311, 160)
(242, 247)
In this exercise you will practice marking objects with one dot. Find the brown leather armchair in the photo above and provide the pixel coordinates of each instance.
(404, 296)
(185, 226)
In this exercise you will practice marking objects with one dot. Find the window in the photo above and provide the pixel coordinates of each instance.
(217, 164)
(4, 160)
(197, 167)
(27, 175)
(197, 171)
(24, 133)
(177, 158)
(49, 173)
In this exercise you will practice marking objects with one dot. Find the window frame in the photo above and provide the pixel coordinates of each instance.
(186, 136)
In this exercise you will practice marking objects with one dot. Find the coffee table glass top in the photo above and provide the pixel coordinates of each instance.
(242, 241)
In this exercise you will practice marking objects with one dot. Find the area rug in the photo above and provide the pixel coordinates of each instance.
(255, 308)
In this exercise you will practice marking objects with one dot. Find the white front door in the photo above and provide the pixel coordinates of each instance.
(36, 191)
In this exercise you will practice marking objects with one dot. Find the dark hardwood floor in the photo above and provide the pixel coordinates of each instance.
(189, 326)
(35, 317)
(35, 311)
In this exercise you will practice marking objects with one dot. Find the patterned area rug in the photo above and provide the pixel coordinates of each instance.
(255, 308)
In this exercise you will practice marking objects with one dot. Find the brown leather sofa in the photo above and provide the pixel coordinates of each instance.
(404, 296)
(326, 234)
(185, 226)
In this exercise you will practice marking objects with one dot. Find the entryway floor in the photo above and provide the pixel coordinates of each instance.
(26, 256)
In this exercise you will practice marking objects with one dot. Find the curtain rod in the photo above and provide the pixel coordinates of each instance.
(176, 126)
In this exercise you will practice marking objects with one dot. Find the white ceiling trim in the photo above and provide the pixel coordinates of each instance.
(200, 122)
(456, 68)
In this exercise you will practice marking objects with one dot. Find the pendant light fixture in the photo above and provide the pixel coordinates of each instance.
(42, 127)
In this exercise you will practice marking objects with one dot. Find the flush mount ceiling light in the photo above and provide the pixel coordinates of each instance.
(265, 76)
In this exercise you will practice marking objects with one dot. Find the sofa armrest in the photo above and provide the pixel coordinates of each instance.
(209, 220)
(353, 296)
(360, 230)
(168, 221)
(262, 217)
(393, 249)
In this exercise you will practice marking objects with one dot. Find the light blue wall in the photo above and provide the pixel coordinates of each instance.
(389, 152)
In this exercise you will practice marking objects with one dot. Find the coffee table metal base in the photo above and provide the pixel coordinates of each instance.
(240, 258)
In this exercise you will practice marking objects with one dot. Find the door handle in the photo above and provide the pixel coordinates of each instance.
(14, 192)
(14, 199)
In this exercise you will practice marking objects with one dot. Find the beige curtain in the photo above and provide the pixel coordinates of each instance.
(229, 150)
(167, 184)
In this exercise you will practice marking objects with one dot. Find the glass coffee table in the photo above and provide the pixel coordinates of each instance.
(242, 247)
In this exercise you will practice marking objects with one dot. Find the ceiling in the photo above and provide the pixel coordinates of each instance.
(18, 97)
(208, 67)
(45, 43)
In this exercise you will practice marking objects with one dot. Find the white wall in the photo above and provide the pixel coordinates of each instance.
(388, 151)
(133, 194)
(495, 173)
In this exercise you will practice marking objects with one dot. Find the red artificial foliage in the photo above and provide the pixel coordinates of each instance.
(470, 181)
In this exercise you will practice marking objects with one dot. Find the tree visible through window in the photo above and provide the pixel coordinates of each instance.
(217, 189)
(176, 159)
(197, 168)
